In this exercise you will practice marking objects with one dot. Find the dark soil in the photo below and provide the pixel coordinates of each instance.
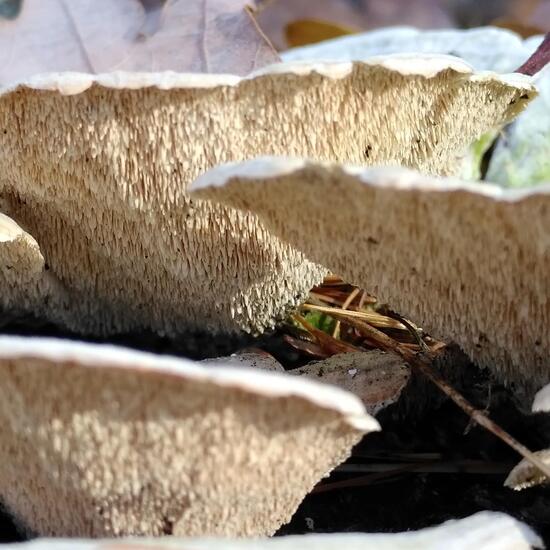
(422, 422)
(406, 501)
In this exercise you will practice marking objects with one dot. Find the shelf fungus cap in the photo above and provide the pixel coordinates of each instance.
(541, 403)
(117, 442)
(482, 531)
(101, 163)
(468, 262)
(525, 474)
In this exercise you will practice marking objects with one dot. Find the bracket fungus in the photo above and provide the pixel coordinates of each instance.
(525, 474)
(541, 403)
(117, 442)
(97, 168)
(486, 48)
(482, 531)
(466, 261)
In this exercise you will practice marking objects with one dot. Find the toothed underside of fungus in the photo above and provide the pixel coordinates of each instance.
(467, 262)
(525, 475)
(96, 168)
(482, 531)
(116, 442)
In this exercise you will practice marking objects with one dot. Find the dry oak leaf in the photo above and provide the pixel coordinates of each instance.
(360, 14)
(100, 35)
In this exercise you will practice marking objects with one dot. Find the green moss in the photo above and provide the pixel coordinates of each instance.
(320, 320)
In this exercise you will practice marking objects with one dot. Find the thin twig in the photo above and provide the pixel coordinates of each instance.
(386, 472)
(539, 59)
(431, 467)
(422, 362)
(375, 318)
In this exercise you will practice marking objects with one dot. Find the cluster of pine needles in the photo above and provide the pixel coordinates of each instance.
(339, 318)
(334, 318)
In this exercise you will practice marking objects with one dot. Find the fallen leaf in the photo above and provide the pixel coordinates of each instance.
(101, 35)
(377, 378)
(523, 29)
(251, 358)
(361, 14)
(310, 31)
(424, 14)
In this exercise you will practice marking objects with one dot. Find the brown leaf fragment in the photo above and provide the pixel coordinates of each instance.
(204, 36)
(275, 16)
(253, 358)
(377, 378)
(310, 31)
(523, 29)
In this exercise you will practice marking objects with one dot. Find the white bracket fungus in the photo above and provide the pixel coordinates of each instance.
(97, 167)
(541, 403)
(482, 531)
(467, 262)
(525, 474)
(116, 442)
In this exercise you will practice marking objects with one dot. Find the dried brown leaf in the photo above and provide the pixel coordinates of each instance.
(376, 378)
(310, 31)
(150, 35)
(362, 14)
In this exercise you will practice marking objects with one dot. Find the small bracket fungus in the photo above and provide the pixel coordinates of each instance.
(117, 442)
(468, 262)
(541, 403)
(526, 475)
(482, 531)
(97, 167)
